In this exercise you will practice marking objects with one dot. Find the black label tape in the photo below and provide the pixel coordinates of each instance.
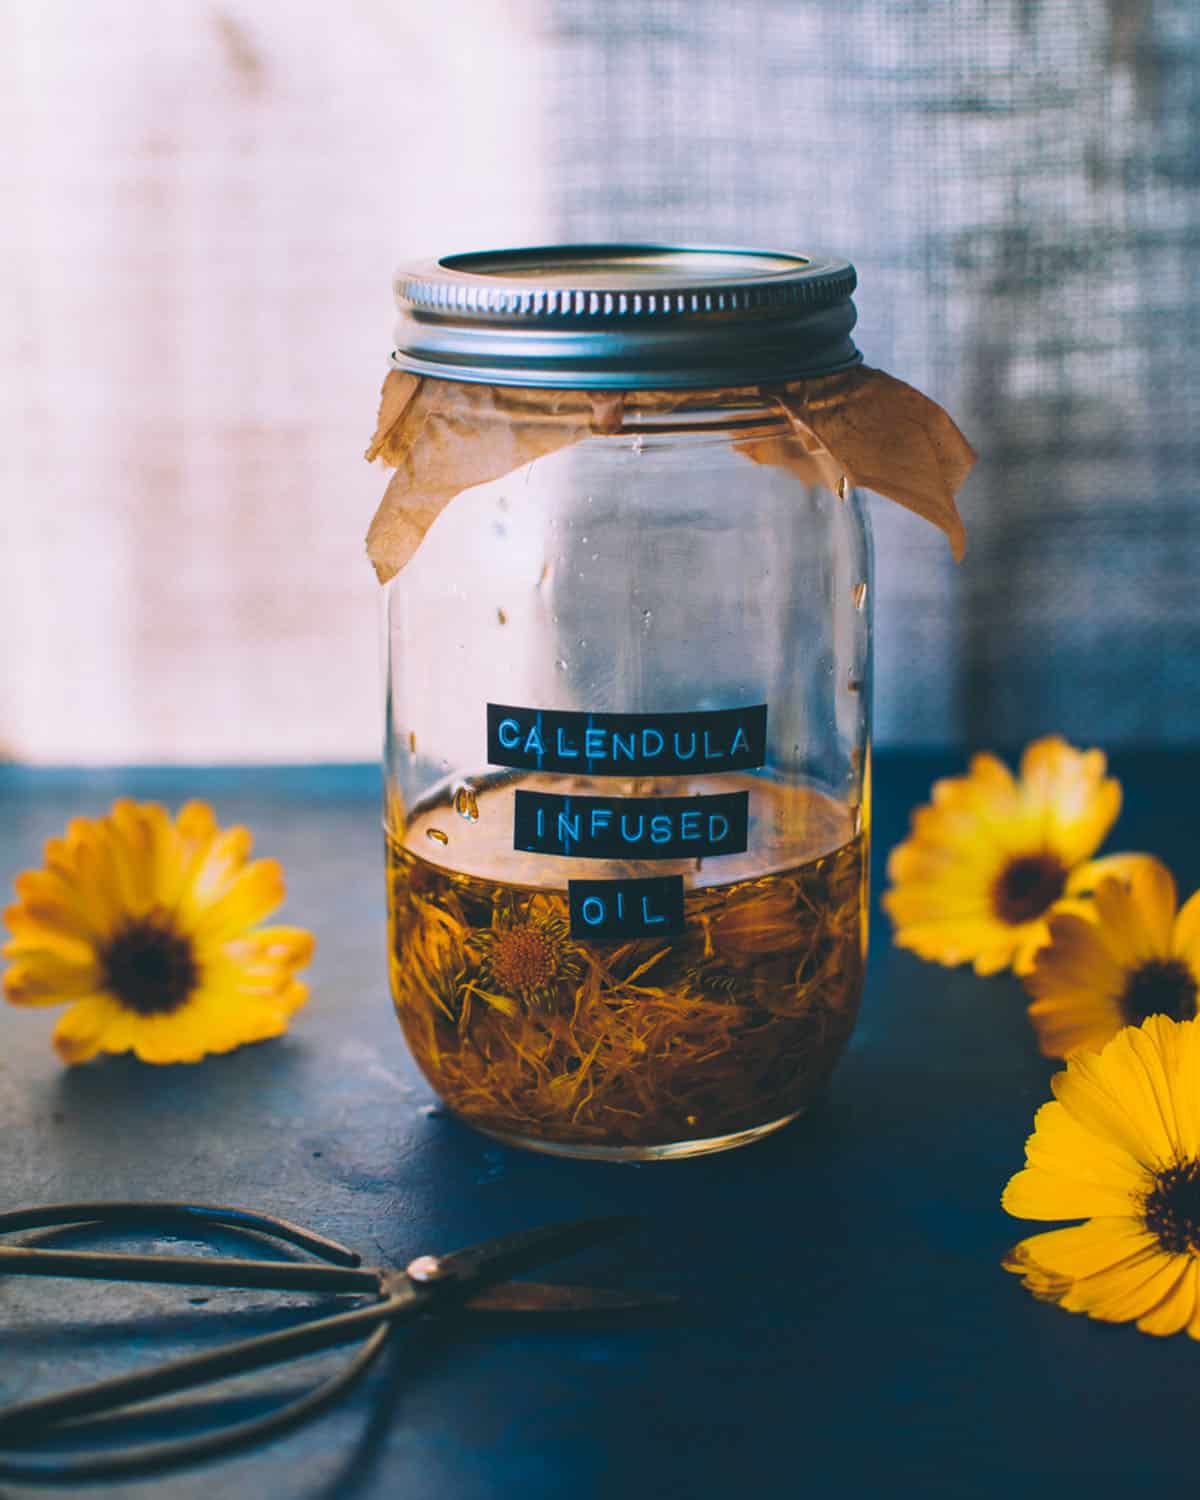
(631, 827)
(545, 739)
(647, 908)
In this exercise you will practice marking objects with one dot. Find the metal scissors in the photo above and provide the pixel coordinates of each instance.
(473, 1280)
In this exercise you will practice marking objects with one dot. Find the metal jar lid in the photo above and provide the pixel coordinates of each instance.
(625, 317)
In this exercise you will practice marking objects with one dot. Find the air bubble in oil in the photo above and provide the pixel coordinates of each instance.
(436, 836)
(860, 595)
(842, 488)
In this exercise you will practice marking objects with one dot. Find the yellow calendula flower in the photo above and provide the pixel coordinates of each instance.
(1119, 1146)
(529, 955)
(993, 852)
(1127, 956)
(148, 928)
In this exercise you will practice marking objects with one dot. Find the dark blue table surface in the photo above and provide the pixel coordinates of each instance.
(847, 1330)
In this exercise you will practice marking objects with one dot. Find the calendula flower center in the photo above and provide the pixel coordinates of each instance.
(150, 967)
(1027, 886)
(1159, 987)
(1172, 1208)
(524, 958)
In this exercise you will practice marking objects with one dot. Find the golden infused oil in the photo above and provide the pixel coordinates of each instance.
(637, 1047)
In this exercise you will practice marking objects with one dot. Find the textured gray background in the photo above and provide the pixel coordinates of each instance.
(1017, 184)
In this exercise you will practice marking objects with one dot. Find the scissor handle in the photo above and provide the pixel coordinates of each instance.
(54, 1214)
(406, 1301)
(158, 1458)
(30, 1419)
(187, 1270)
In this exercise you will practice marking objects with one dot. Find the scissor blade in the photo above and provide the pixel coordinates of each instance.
(521, 1297)
(497, 1260)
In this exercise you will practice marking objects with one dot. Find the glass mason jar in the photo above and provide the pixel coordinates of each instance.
(628, 708)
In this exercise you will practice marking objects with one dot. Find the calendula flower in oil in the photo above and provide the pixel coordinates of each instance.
(1120, 1148)
(148, 929)
(1127, 956)
(993, 853)
(522, 1026)
(754, 925)
(528, 955)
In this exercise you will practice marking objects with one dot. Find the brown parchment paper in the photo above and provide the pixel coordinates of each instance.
(861, 427)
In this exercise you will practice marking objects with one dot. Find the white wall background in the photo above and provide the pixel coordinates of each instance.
(200, 209)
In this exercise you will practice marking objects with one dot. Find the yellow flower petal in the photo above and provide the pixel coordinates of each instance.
(293, 998)
(151, 927)
(49, 897)
(986, 943)
(1062, 1147)
(989, 855)
(46, 978)
(1109, 1101)
(251, 896)
(287, 947)
(80, 1030)
(1152, 887)
(1087, 1249)
(1135, 916)
(171, 1038)
(1180, 1049)
(232, 1019)
(197, 824)
(1037, 1194)
(1177, 1306)
(1156, 1095)
(1124, 1131)
(1185, 939)
(1031, 939)
(96, 880)
(1084, 878)
(1067, 1025)
(34, 931)
(1076, 961)
(1074, 802)
(1124, 1291)
(134, 855)
(216, 866)
(1109, 961)
(155, 845)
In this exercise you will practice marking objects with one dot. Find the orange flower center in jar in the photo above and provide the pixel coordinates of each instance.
(524, 958)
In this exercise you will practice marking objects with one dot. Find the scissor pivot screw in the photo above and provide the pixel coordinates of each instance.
(426, 1268)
